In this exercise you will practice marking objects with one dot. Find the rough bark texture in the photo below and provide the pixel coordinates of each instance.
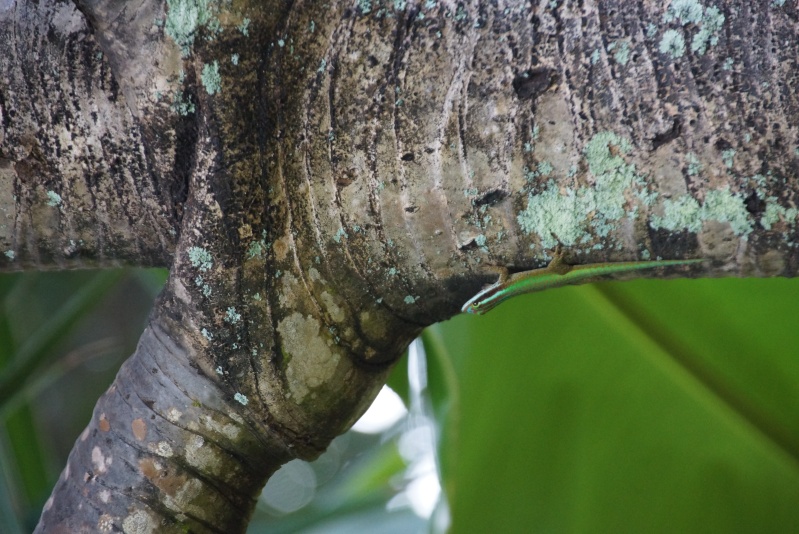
(327, 179)
(79, 184)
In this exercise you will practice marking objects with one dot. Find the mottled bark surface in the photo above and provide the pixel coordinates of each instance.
(326, 179)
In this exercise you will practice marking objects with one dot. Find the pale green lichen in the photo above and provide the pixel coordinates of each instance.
(53, 199)
(556, 217)
(341, 233)
(728, 156)
(709, 22)
(211, 79)
(241, 399)
(694, 165)
(234, 59)
(244, 27)
(232, 316)
(207, 335)
(620, 50)
(672, 44)
(256, 249)
(205, 288)
(10, 254)
(410, 299)
(184, 18)
(720, 205)
(545, 168)
(214, 28)
(728, 63)
(181, 105)
(569, 216)
(200, 258)
(599, 156)
(684, 213)
(365, 6)
(774, 212)
(712, 22)
(686, 11)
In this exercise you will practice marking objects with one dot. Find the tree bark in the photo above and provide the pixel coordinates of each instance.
(324, 180)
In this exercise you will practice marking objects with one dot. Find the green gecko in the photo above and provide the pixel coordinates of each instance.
(557, 274)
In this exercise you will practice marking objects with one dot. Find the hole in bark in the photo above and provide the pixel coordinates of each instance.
(345, 178)
(667, 136)
(722, 144)
(532, 82)
(490, 198)
(408, 156)
(754, 204)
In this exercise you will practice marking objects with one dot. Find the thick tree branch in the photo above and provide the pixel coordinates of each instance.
(353, 171)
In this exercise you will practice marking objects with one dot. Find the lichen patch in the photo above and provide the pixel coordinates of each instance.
(105, 523)
(336, 313)
(100, 462)
(229, 430)
(288, 291)
(162, 448)
(139, 522)
(173, 414)
(314, 276)
(281, 248)
(311, 361)
(200, 456)
(184, 496)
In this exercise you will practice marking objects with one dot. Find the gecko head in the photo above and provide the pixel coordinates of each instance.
(474, 307)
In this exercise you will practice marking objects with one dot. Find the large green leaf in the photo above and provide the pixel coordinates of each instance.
(641, 407)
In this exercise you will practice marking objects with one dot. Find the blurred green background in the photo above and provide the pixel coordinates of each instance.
(647, 406)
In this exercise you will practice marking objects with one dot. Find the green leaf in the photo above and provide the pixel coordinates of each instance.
(39, 346)
(643, 407)
(398, 380)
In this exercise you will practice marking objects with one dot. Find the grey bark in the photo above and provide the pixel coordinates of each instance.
(326, 179)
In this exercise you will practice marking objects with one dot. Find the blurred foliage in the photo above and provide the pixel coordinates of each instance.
(648, 406)
(656, 406)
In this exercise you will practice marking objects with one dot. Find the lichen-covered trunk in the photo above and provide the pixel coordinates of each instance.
(326, 179)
